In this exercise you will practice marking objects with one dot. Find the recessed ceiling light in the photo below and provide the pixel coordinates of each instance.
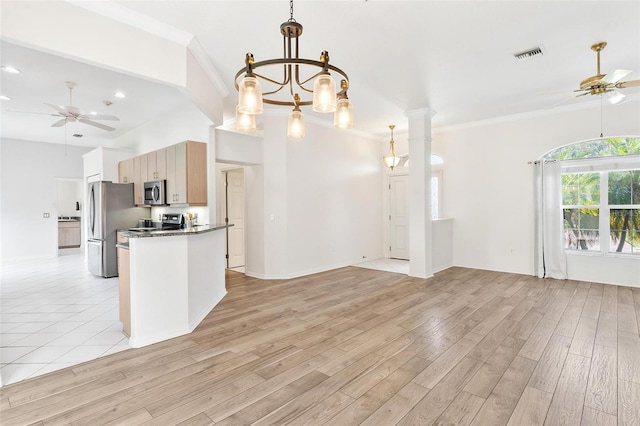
(119, 95)
(10, 69)
(4, 98)
(93, 113)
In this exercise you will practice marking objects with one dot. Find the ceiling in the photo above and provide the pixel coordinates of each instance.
(455, 57)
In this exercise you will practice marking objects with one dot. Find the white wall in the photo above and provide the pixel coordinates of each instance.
(68, 193)
(333, 199)
(28, 189)
(488, 189)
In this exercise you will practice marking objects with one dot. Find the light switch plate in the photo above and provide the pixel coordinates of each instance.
(45, 215)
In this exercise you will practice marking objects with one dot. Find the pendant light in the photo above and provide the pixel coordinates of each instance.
(319, 90)
(295, 125)
(343, 117)
(245, 122)
(391, 159)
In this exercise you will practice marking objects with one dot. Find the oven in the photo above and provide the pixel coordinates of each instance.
(171, 221)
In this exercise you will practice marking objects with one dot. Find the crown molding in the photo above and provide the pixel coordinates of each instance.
(633, 97)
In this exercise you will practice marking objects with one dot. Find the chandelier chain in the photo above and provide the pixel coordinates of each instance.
(291, 19)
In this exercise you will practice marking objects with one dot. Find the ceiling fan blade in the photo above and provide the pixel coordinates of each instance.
(59, 123)
(31, 112)
(630, 83)
(101, 117)
(57, 108)
(93, 123)
(615, 75)
(566, 101)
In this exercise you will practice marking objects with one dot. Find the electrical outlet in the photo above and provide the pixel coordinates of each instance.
(45, 215)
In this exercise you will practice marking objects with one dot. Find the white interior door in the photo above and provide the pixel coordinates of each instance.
(235, 213)
(399, 217)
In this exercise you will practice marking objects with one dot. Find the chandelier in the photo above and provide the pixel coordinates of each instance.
(391, 159)
(323, 97)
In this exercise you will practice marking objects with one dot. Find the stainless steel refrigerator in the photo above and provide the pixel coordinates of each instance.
(111, 207)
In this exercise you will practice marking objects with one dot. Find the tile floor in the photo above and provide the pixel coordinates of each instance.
(54, 314)
(389, 265)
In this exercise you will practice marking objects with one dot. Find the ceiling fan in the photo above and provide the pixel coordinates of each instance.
(70, 113)
(601, 84)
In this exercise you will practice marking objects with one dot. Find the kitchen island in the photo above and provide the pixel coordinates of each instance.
(175, 278)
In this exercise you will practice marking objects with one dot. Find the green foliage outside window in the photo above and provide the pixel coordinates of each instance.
(581, 197)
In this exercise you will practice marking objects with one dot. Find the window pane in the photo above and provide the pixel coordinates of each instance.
(624, 227)
(589, 188)
(570, 189)
(434, 197)
(635, 187)
(581, 229)
(581, 189)
(620, 187)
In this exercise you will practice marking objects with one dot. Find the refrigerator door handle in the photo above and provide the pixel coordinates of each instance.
(92, 210)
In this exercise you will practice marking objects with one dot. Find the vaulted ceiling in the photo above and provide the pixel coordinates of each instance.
(455, 57)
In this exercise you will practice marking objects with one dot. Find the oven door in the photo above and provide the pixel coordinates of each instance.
(154, 193)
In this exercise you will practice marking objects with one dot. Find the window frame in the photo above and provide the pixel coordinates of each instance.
(602, 165)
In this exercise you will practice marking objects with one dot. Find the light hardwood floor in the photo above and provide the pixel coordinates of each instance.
(357, 346)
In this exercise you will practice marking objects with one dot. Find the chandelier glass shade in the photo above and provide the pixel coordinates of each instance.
(391, 160)
(294, 82)
(245, 122)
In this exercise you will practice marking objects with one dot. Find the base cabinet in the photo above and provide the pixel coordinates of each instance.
(68, 234)
(124, 287)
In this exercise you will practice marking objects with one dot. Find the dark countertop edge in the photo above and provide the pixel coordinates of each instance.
(200, 229)
(124, 246)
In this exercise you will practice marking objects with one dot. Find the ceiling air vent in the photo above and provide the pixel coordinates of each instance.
(528, 54)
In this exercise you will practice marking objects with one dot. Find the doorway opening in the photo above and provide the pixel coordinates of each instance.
(69, 206)
(234, 213)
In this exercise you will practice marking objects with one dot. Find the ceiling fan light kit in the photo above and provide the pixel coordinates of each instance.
(324, 96)
(606, 83)
(72, 114)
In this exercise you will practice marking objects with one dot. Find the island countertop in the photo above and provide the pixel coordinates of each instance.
(199, 229)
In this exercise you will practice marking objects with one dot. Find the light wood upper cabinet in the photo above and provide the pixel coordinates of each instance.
(157, 165)
(126, 171)
(140, 177)
(184, 166)
(187, 173)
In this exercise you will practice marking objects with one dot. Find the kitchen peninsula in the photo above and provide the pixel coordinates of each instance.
(175, 278)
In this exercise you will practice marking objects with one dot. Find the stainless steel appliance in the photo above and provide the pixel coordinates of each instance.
(155, 193)
(172, 221)
(110, 207)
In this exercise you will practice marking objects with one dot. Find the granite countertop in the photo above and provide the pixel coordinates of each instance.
(198, 229)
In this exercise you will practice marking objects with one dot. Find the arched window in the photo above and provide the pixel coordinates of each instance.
(601, 195)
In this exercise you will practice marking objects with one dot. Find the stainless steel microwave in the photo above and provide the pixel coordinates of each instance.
(155, 193)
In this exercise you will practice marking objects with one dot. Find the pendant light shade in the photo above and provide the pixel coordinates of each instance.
(343, 117)
(391, 159)
(324, 94)
(250, 96)
(296, 128)
(245, 122)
